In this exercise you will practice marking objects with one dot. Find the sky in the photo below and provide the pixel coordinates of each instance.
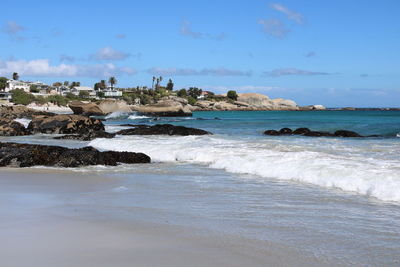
(334, 53)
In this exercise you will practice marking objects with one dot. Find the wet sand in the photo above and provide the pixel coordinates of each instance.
(39, 226)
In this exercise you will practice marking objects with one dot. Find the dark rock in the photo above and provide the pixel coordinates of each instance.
(272, 132)
(12, 128)
(345, 133)
(301, 131)
(162, 129)
(318, 134)
(20, 111)
(285, 131)
(28, 155)
(65, 124)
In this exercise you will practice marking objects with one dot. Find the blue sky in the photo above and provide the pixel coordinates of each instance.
(335, 53)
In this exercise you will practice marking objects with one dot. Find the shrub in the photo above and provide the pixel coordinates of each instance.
(19, 96)
(232, 95)
(191, 100)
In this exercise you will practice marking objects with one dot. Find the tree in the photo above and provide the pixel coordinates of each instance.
(15, 76)
(152, 85)
(158, 80)
(182, 93)
(84, 94)
(66, 83)
(194, 92)
(3, 83)
(170, 85)
(33, 88)
(103, 84)
(112, 81)
(57, 84)
(96, 86)
(232, 95)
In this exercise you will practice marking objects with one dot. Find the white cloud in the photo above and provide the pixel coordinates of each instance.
(42, 68)
(293, 72)
(274, 27)
(13, 29)
(194, 72)
(108, 53)
(292, 15)
(120, 36)
(186, 30)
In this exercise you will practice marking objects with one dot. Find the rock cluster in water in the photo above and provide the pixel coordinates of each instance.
(28, 155)
(308, 132)
(162, 129)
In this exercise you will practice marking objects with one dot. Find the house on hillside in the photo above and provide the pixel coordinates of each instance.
(80, 90)
(14, 84)
(112, 92)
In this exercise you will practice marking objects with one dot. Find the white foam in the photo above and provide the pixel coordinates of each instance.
(24, 121)
(116, 115)
(137, 117)
(364, 168)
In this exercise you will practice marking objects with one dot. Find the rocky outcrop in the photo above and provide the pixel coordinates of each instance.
(65, 124)
(162, 129)
(12, 128)
(102, 108)
(308, 132)
(20, 111)
(88, 136)
(313, 107)
(167, 107)
(249, 102)
(28, 155)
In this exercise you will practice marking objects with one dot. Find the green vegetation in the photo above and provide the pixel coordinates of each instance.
(3, 83)
(84, 94)
(33, 89)
(232, 95)
(15, 76)
(19, 96)
(194, 92)
(170, 85)
(112, 81)
(182, 93)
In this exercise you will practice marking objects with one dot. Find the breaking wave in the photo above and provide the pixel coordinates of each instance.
(372, 170)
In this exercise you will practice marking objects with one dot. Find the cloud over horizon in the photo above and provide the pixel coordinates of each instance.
(292, 72)
(43, 68)
(194, 72)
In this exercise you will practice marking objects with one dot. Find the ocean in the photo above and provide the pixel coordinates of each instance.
(335, 198)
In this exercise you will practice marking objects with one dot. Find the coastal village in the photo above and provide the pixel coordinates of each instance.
(156, 100)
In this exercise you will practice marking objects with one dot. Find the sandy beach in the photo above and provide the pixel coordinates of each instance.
(43, 227)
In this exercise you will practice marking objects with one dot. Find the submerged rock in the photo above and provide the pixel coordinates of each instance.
(12, 128)
(162, 129)
(308, 132)
(28, 155)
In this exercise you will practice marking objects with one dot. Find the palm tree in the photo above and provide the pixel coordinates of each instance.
(66, 83)
(15, 76)
(152, 85)
(103, 84)
(112, 81)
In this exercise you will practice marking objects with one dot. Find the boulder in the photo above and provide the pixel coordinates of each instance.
(255, 100)
(312, 107)
(162, 129)
(20, 111)
(102, 108)
(165, 108)
(12, 128)
(308, 132)
(205, 104)
(88, 136)
(65, 124)
(222, 105)
(28, 155)
(284, 104)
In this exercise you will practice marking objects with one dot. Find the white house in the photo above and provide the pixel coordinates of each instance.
(13, 84)
(77, 89)
(112, 93)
